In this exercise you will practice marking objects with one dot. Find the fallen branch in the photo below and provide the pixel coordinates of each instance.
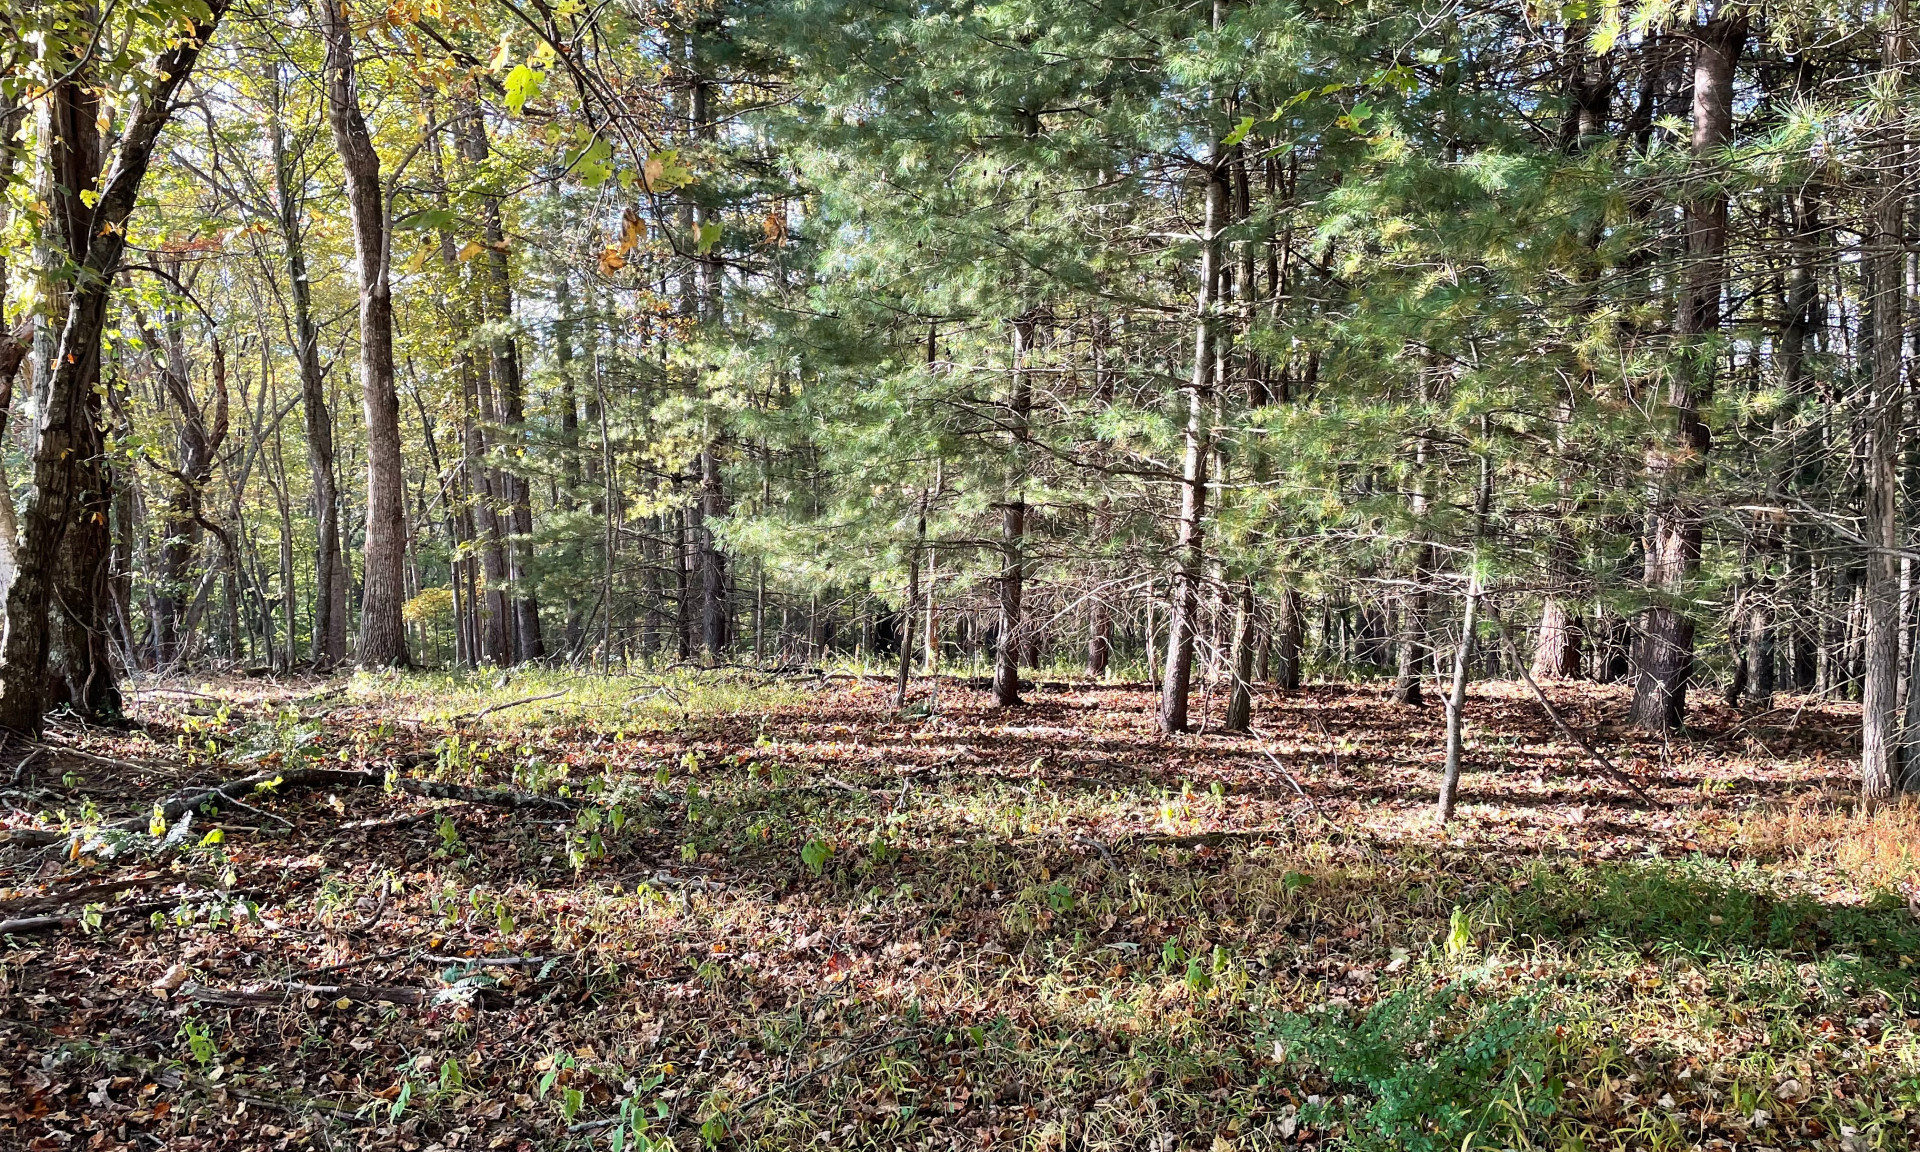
(494, 797)
(507, 705)
(488, 961)
(30, 924)
(386, 821)
(1566, 729)
(103, 761)
(84, 893)
(667, 880)
(180, 803)
(1205, 839)
(486, 998)
(1106, 853)
(290, 778)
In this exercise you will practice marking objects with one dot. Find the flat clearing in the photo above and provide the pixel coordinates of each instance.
(752, 911)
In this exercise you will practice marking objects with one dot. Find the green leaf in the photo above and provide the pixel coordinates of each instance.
(1239, 133)
(590, 161)
(522, 84)
(664, 172)
(709, 236)
(426, 218)
(1460, 933)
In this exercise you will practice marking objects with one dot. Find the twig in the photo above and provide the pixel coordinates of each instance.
(1282, 768)
(1106, 853)
(103, 761)
(488, 961)
(1553, 714)
(386, 821)
(507, 705)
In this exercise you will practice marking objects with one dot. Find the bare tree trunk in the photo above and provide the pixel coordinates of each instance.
(1557, 654)
(383, 636)
(1457, 702)
(1013, 526)
(1239, 716)
(913, 599)
(15, 343)
(713, 562)
(683, 591)
(1099, 610)
(1674, 524)
(1189, 545)
(1287, 640)
(569, 502)
(199, 442)
(64, 545)
(1880, 731)
(329, 645)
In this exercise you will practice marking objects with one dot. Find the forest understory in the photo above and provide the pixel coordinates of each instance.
(702, 909)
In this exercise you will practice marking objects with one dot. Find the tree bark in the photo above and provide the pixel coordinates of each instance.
(329, 641)
(1674, 524)
(1013, 526)
(1239, 716)
(199, 442)
(1457, 702)
(714, 615)
(383, 636)
(69, 504)
(1557, 653)
(1880, 727)
(905, 631)
(1189, 546)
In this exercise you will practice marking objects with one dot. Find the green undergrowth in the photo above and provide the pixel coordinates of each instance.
(638, 700)
(914, 945)
(1627, 1005)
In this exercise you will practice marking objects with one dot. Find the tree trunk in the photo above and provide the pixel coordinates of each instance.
(64, 545)
(1880, 727)
(569, 502)
(15, 343)
(1557, 655)
(1286, 641)
(1240, 692)
(714, 616)
(1457, 702)
(1013, 526)
(329, 644)
(905, 632)
(199, 442)
(1674, 524)
(1189, 546)
(383, 636)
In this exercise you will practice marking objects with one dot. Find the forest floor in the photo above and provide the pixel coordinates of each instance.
(728, 909)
